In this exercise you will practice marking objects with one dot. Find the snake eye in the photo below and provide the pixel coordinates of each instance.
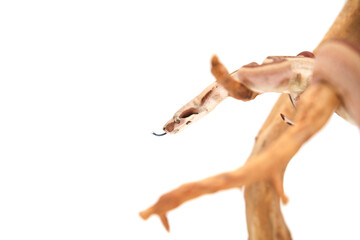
(188, 112)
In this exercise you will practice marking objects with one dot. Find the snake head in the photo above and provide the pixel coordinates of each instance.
(197, 108)
(181, 119)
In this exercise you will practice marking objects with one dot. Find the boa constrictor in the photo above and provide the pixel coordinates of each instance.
(281, 74)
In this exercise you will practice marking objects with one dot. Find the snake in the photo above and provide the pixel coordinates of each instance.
(280, 74)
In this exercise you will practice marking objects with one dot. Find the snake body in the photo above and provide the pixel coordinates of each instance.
(337, 61)
(284, 74)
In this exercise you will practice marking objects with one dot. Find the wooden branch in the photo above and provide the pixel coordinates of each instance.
(264, 218)
(346, 26)
(263, 214)
(315, 108)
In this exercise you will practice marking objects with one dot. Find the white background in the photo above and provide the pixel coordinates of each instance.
(84, 83)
